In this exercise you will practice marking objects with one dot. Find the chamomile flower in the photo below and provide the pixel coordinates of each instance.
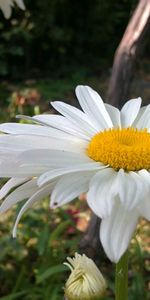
(85, 282)
(100, 151)
(6, 6)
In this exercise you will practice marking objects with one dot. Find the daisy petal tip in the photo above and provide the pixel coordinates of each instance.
(138, 100)
(81, 87)
(54, 104)
(14, 233)
(121, 171)
(78, 90)
(53, 203)
(19, 116)
(115, 259)
(40, 181)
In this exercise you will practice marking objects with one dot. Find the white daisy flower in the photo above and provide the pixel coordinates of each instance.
(100, 151)
(85, 282)
(6, 6)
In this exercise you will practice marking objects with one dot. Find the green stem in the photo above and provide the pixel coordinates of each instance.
(121, 278)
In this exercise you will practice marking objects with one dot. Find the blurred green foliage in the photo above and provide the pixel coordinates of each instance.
(54, 36)
(31, 266)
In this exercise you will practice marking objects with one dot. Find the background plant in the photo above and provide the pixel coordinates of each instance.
(52, 37)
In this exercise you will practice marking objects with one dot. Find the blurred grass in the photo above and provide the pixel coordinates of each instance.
(31, 266)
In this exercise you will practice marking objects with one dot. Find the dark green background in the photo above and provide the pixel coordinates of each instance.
(55, 37)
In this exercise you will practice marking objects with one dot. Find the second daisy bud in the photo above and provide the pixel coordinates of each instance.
(85, 281)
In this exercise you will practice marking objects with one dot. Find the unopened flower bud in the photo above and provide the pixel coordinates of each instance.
(85, 281)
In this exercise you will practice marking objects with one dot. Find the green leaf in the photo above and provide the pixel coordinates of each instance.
(14, 295)
(59, 230)
(50, 272)
(43, 240)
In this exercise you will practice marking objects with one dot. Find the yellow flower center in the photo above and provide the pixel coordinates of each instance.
(126, 148)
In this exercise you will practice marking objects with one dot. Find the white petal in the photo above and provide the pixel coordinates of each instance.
(48, 176)
(144, 207)
(30, 129)
(94, 107)
(144, 120)
(102, 192)
(141, 111)
(114, 114)
(116, 231)
(130, 111)
(22, 192)
(14, 169)
(20, 4)
(22, 142)
(11, 183)
(5, 6)
(76, 116)
(9, 154)
(41, 193)
(62, 124)
(31, 119)
(52, 158)
(26, 142)
(132, 188)
(145, 175)
(69, 187)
